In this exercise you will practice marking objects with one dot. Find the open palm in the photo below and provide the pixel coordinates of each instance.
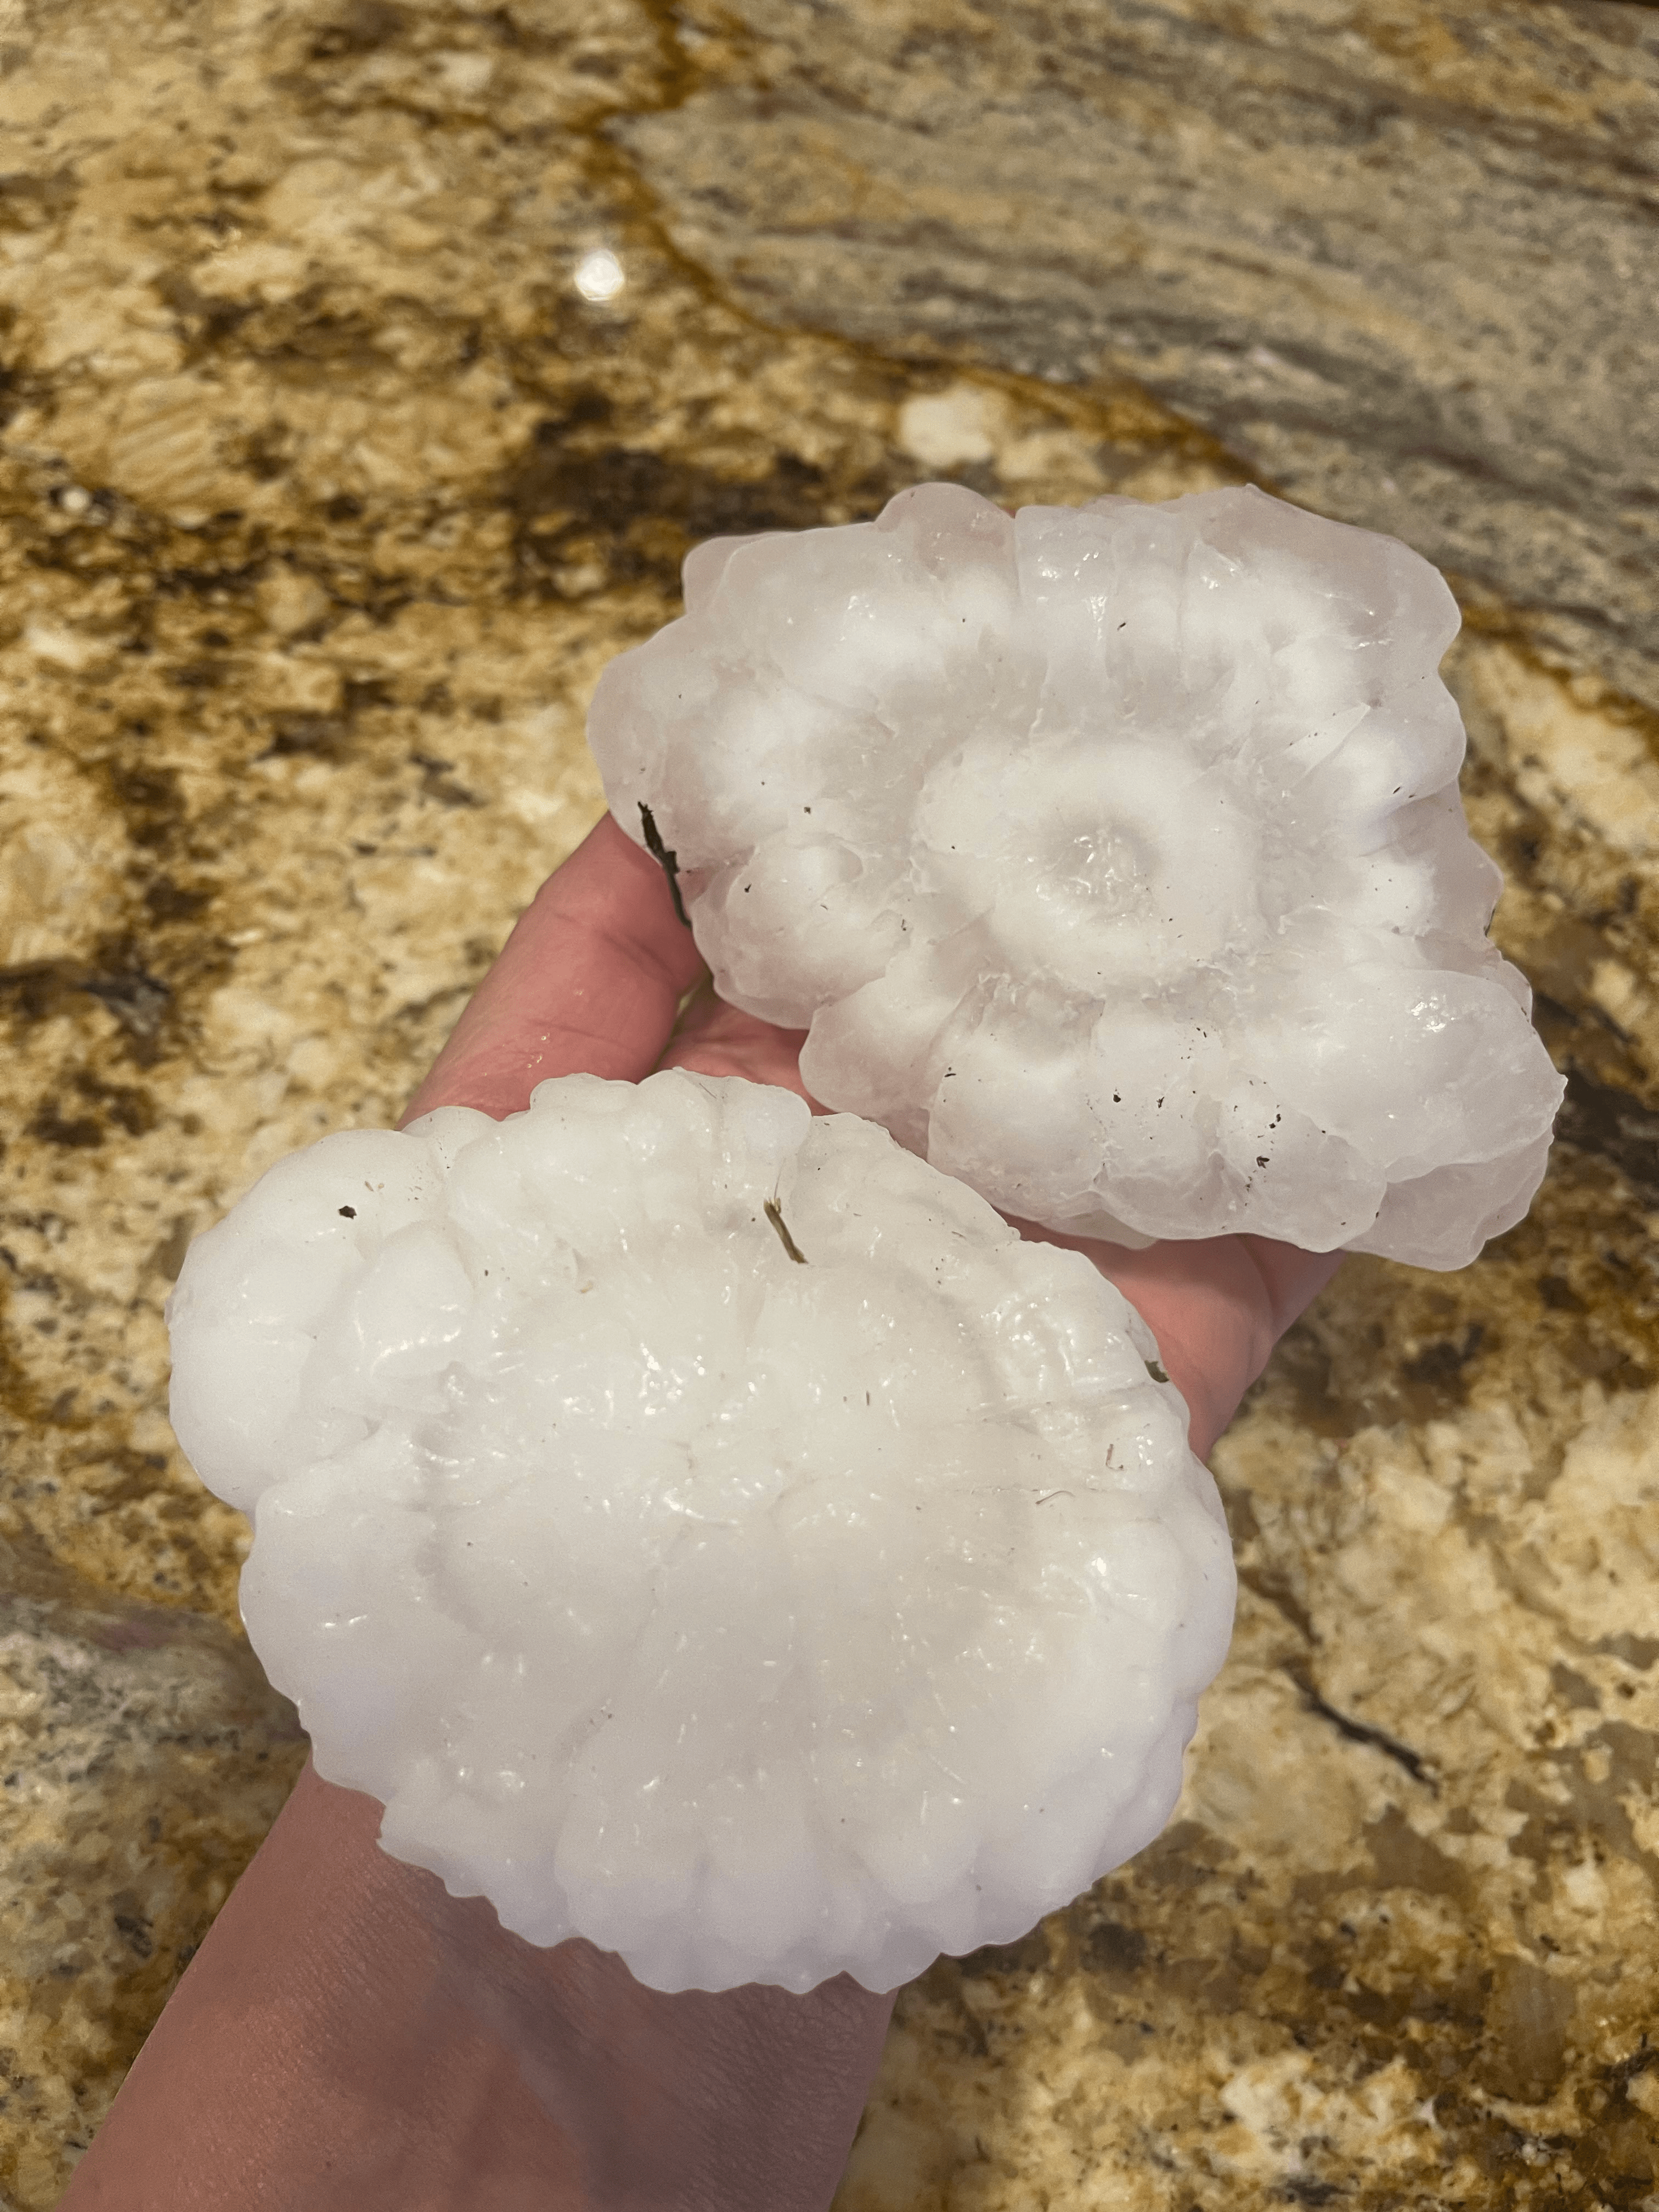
(352, 2038)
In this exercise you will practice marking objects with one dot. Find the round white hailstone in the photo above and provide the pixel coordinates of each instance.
(758, 1618)
(1112, 855)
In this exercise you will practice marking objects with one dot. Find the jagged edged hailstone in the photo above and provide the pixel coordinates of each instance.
(756, 1620)
(1112, 855)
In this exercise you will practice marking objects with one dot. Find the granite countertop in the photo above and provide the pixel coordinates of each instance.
(327, 495)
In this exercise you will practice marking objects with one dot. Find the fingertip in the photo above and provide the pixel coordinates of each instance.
(1292, 1277)
(588, 982)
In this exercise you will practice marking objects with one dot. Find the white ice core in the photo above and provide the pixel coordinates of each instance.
(1113, 856)
(758, 1618)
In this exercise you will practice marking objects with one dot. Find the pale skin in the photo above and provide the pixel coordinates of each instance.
(349, 2038)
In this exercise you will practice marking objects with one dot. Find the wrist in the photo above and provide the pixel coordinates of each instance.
(350, 2036)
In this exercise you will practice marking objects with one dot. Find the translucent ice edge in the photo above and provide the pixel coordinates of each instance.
(1112, 855)
(757, 1617)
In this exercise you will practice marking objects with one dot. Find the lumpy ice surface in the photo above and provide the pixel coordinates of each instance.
(758, 1619)
(1112, 855)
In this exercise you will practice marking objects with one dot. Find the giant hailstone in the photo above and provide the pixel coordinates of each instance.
(1112, 855)
(759, 1616)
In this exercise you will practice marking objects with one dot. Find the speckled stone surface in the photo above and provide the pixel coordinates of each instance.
(325, 495)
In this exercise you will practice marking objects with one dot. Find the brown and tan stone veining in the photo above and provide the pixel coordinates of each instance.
(324, 498)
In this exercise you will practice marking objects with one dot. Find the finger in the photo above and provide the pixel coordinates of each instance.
(588, 983)
(715, 1039)
(1216, 1306)
(1293, 1279)
(1217, 1312)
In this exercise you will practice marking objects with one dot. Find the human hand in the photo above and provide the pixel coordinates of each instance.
(349, 2033)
